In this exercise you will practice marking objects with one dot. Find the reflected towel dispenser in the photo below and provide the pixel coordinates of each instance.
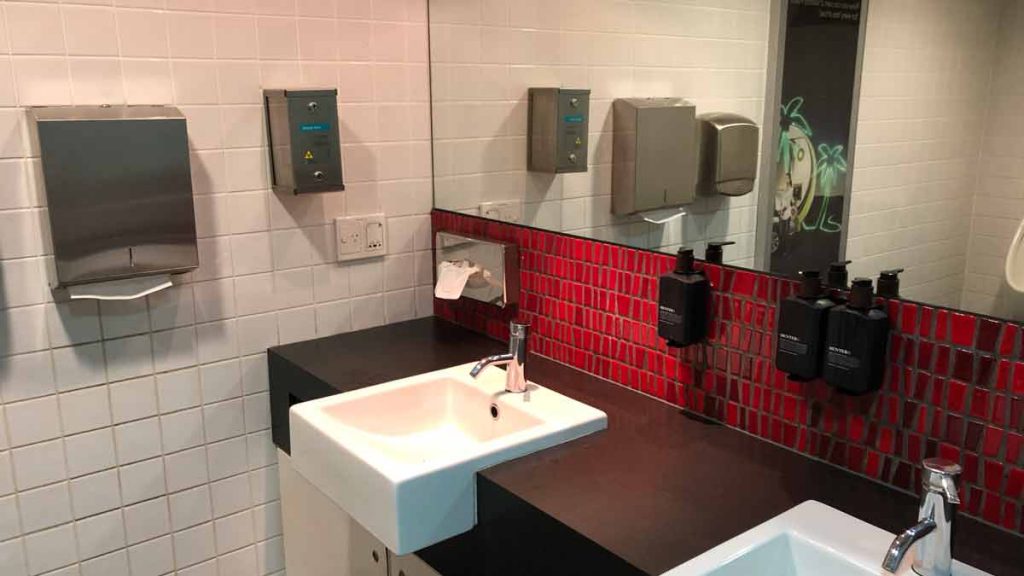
(119, 191)
(728, 154)
(654, 154)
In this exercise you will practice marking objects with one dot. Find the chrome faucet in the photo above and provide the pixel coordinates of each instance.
(934, 531)
(514, 360)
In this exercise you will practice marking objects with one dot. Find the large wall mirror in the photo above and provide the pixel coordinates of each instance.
(901, 146)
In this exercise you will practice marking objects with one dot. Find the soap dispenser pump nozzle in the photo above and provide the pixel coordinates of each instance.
(684, 261)
(862, 294)
(889, 283)
(810, 284)
(838, 276)
(713, 254)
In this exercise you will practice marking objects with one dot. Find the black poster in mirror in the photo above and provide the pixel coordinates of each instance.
(814, 162)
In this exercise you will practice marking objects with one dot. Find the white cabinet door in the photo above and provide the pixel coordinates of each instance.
(408, 565)
(320, 539)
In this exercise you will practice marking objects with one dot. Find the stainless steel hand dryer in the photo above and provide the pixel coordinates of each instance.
(118, 190)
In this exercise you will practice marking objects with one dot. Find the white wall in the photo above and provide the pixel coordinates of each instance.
(134, 438)
(924, 98)
(485, 54)
(999, 202)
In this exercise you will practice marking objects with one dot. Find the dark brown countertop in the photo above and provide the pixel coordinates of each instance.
(658, 487)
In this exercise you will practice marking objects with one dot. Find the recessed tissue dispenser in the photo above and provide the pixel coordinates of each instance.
(119, 194)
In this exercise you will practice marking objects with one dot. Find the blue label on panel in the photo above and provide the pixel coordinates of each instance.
(314, 127)
(574, 119)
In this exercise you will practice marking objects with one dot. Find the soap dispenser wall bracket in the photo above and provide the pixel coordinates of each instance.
(119, 192)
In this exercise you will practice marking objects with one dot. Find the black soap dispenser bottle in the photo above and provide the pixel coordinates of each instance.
(714, 253)
(889, 283)
(858, 333)
(802, 321)
(683, 301)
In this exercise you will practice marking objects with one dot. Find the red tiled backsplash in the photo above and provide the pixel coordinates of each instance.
(954, 386)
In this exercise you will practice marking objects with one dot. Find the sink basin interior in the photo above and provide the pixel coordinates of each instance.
(790, 555)
(427, 420)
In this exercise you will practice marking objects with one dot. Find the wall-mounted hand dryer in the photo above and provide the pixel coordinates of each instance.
(118, 190)
(728, 154)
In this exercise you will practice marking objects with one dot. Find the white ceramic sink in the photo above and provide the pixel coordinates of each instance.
(811, 539)
(401, 457)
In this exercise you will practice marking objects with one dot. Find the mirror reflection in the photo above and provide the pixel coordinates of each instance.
(888, 133)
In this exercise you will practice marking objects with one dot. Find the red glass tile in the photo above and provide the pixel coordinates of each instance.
(924, 326)
(963, 329)
(908, 317)
(942, 325)
(1015, 484)
(988, 334)
(992, 441)
(993, 476)
(956, 396)
(1009, 340)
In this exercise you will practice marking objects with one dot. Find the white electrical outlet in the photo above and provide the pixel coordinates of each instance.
(507, 211)
(359, 237)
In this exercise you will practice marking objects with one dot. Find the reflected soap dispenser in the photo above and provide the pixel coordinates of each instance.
(683, 302)
(802, 320)
(858, 333)
(714, 253)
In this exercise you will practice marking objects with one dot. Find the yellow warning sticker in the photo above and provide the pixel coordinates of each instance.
(309, 155)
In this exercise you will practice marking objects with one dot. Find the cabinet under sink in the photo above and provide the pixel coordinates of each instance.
(322, 540)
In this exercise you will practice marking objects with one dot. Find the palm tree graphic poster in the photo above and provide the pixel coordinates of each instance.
(812, 175)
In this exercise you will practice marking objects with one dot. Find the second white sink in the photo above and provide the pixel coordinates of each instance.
(811, 539)
(401, 457)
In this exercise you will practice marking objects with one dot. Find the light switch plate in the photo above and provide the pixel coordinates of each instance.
(506, 211)
(359, 237)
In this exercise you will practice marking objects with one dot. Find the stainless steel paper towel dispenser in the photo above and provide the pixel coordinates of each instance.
(119, 191)
(654, 154)
(728, 152)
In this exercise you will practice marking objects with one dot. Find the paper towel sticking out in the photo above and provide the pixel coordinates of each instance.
(126, 289)
(662, 215)
(452, 278)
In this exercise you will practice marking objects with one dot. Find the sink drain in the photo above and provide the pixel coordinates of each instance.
(494, 411)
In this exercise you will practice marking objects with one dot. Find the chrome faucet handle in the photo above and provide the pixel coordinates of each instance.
(941, 476)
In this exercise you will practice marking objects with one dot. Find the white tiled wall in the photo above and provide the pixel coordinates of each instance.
(134, 437)
(486, 53)
(927, 72)
(999, 202)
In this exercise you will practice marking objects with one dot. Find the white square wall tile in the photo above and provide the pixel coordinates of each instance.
(35, 28)
(137, 440)
(39, 464)
(182, 430)
(231, 495)
(45, 507)
(128, 357)
(124, 317)
(79, 366)
(257, 333)
(227, 458)
(186, 469)
(178, 390)
(95, 493)
(217, 341)
(171, 308)
(84, 410)
(90, 31)
(255, 377)
(33, 421)
(174, 349)
(73, 322)
(9, 518)
(90, 452)
(221, 381)
(100, 534)
(241, 561)
(113, 564)
(296, 324)
(133, 399)
(190, 507)
(152, 558)
(234, 531)
(224, 420)
(143, 33)
(142, 480)
(146, 520)
(51, 549)
(12, 558)
(26, 376)
(194, 545)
